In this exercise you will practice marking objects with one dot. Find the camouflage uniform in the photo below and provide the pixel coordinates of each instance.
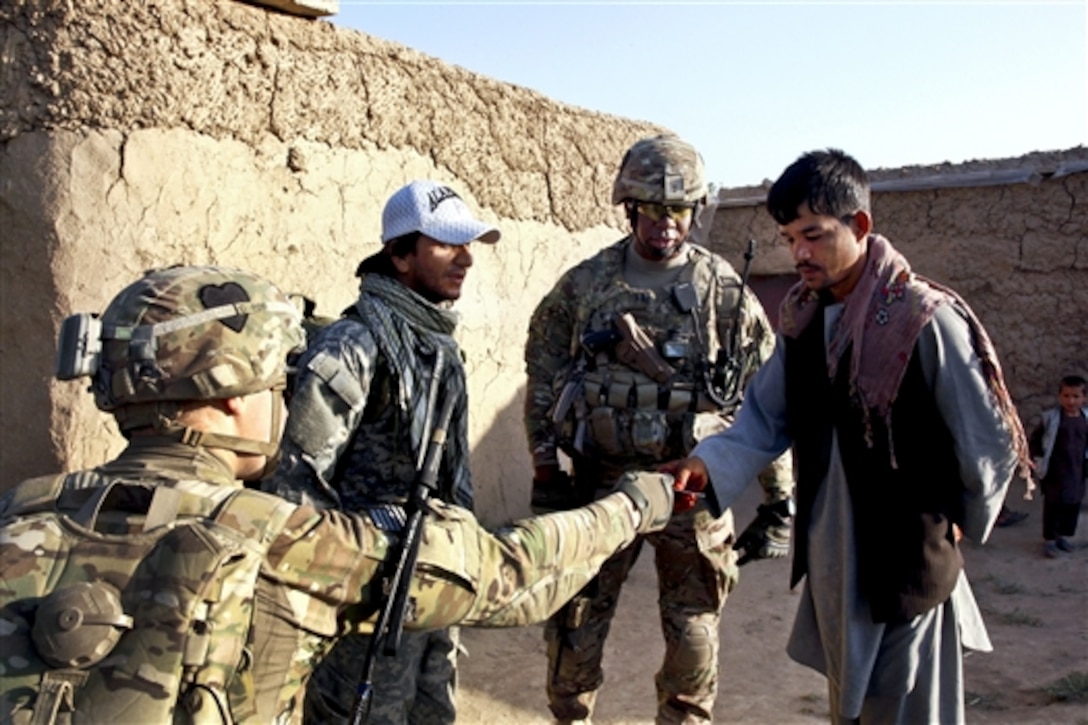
(622, 419)
(354, 441)
(156, 588)
(273, 629)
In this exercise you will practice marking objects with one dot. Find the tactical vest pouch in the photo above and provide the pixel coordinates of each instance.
(679, 401)
(619, 394)
(629, 432)
(646, 396)
(593, 389)
(57, 695)
(649, 433)
(628, 415)
(602, 429)
(452, 554)
(78, 625)
(698, 426)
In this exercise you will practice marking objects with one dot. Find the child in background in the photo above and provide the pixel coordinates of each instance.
(1059, 445)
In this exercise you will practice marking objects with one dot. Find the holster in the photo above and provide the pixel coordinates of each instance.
(573, 615)
(636, 350)
(576, 610)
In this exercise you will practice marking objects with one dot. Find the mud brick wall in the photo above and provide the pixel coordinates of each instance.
(141, 134)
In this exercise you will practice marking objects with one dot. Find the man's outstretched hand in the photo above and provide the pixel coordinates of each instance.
(690, 478)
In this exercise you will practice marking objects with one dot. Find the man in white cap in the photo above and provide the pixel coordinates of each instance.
(362, 411)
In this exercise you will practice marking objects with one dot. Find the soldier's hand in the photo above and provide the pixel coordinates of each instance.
(652, 494)
(553, 490)
(768, 536)
(691, 477)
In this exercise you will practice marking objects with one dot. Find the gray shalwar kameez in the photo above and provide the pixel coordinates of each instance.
(906, 673)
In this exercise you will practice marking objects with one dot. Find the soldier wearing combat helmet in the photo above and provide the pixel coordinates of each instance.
(156, 588)
(635, 355)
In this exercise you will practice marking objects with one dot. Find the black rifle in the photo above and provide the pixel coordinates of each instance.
(390, 624)
(724, 387)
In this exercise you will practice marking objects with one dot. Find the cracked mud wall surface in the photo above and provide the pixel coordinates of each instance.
(232, 71)
(1016, 252)
(137, 135)
(117, 204)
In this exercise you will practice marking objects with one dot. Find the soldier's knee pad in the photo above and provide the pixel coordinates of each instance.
(696, 647)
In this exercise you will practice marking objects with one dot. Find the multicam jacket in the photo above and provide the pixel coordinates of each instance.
(359, 406)
(234, 640)
(643, 420)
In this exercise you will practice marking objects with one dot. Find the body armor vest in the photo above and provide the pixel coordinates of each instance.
(641, 413)
(130, 602)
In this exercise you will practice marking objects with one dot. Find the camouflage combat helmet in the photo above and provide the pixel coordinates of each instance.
(182, 334)
(662, 169)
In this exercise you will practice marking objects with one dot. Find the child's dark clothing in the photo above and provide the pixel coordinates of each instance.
(1060, 443)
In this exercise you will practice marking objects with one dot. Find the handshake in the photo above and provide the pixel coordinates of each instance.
(767, 537)
(675, 488)
(650, 492)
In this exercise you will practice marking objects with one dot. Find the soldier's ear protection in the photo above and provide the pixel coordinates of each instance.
(79, 347)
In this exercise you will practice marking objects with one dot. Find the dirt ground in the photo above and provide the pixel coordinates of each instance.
(1036, 610)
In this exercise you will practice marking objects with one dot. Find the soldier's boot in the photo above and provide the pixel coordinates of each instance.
(575, 710)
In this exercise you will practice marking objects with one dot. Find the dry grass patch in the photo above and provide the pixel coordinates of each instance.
(1071, 688)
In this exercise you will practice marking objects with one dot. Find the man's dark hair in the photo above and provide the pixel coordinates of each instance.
(830, 182)
(1074, 381)
(382, 262)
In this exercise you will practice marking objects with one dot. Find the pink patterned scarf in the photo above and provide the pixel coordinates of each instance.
(882, 317)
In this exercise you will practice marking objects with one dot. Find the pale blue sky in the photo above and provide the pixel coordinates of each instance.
(755, 84)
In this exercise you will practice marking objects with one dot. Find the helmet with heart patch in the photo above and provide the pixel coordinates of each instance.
(193, 333)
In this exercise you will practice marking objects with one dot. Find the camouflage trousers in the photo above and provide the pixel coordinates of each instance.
(696, 570)
(415, 686)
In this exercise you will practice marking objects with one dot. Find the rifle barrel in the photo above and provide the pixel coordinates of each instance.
(428, 480)
(390, 623)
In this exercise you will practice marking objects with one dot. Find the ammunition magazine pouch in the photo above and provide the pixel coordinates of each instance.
(134, 601)
(621, 413)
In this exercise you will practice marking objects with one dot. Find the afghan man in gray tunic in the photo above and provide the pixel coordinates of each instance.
(905, 438)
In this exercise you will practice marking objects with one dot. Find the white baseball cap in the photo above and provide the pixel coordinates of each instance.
(436, 211)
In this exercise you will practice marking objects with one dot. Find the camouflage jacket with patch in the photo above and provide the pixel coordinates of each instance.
(286, 580)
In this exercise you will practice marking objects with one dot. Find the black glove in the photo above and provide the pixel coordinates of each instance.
(554, 493)
(768, 536)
